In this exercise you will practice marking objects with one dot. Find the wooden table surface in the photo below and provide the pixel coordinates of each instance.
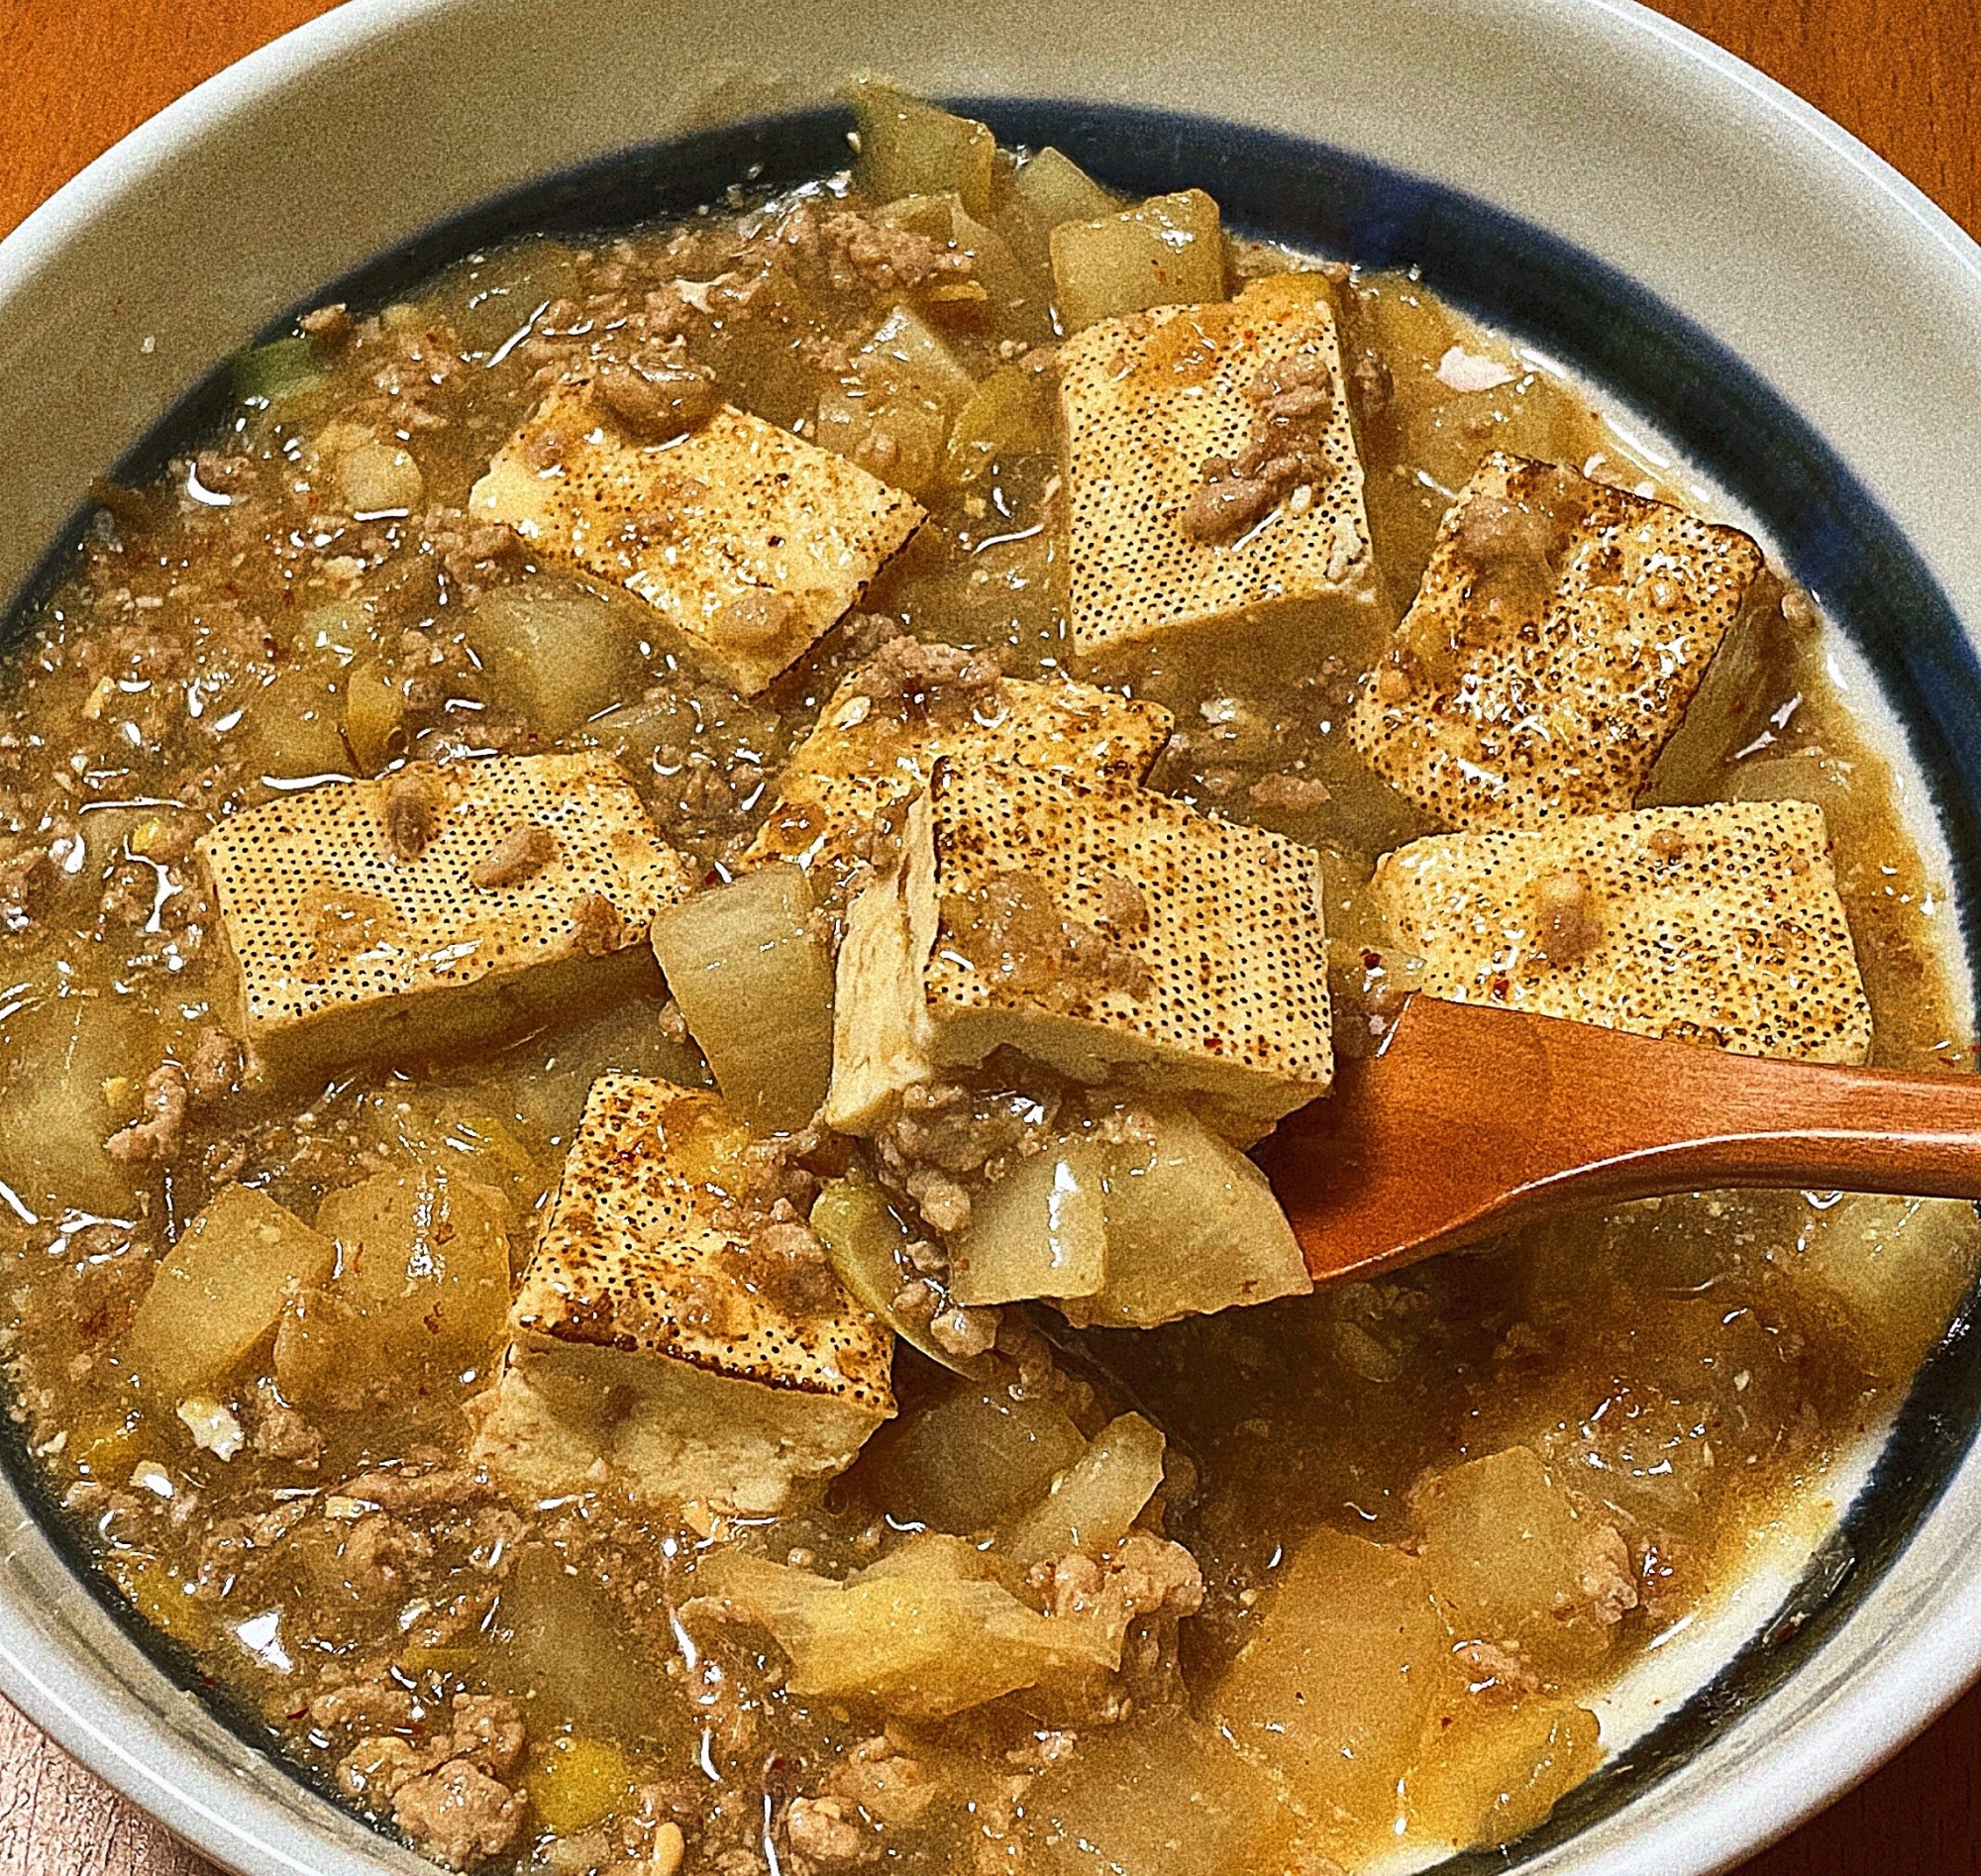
(1902, 74)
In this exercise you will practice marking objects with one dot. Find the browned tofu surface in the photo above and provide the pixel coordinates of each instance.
(748, 539)
(1716, 924)
(1146, 400)
(1560, 631)
(657, 1345)
(1106, 930)
(435, 909)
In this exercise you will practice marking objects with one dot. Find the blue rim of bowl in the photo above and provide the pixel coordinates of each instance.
(1636, 350)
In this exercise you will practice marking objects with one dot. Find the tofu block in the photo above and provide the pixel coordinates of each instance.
(1146, 400)
(656, 1351)
(1718, 924)
(1104, 931)
(749, 541)
(879, 739)
(358, 932)
(1561, 629)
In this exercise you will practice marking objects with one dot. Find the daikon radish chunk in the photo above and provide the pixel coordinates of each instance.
(1091, 1505)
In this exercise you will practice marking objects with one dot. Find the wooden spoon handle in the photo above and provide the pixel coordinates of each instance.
(1476, 1120)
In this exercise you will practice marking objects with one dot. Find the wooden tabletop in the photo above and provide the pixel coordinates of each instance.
(1902, 74)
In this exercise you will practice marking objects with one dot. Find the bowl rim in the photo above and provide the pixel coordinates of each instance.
(1837, 1742)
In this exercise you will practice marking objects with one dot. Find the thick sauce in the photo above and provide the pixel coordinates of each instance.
(305, 598)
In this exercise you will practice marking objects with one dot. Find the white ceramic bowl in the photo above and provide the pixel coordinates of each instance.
(1641, 203)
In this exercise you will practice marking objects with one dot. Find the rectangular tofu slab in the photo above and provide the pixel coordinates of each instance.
(749, 541)
(1104, 931)
(1718, 924)
(435, 909)
(1146, 400)
(1561, 629)
(879, 739)
(656, 1351)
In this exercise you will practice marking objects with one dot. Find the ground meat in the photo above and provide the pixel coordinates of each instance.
(1497, 1671)
(459, 1816)
(1291, 401)
(943, 1201)
(280, 1432)
(596, 927)
(965, 1333)
(924, 682)
(1512, 546)
(658, 404)
(377, 1705)
(489, 1731)
(441, 1488)
(962, 1131)
(1568, 917)
(854, 251)
(1290, 794)
(25, 883)
(884, 1782)
(214, 1069)
(826, 1832)
(787, 1266)
(521, 854)
(1604, 1576)
(380, 1766)
(378, 1554)
(1371, 388)
(158, 1133)
(1135, 1589)
(326, 325)
(1658, 1558)
(412, 813)
(1221, 509)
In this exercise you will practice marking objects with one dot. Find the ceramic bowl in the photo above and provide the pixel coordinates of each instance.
(1794, 320)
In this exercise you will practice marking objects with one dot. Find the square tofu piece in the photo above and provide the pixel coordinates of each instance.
(1716, 924)
(657, 1352)
(1561, 630)
(1146, 400)
(879, 739)
(435, 909)
(749, 541)
(1104, 931)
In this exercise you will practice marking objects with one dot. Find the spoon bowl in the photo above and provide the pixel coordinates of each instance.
(1471, 1121)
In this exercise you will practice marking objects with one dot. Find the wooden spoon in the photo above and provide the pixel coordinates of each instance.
(1473, 1120)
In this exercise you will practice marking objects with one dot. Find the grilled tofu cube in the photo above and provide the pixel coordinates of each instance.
(1146, 400)
(749, 541)
(435, 909)
(653, 1349)
(879, 739)
(1718, 924)
(1561, 629)
(1104, 931)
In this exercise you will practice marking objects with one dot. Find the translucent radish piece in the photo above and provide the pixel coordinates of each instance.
(1193, 1227)
(754, 981)
(220, 1291)
(910, 147)
(1039, 1231)
(866, 1245)
(1092, 1506)
(1169, 252)
(975, 1457)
